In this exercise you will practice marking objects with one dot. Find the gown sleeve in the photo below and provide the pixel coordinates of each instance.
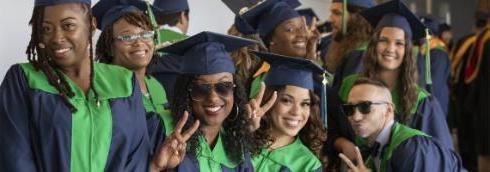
(425, 155)
(16, 151)
(431, 120)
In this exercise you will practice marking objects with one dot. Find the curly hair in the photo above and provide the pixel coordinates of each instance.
(246, 63)
(237, 139)
(38, 57)
(407, 80)
(103, 51)
(313, 134)
(358, 32)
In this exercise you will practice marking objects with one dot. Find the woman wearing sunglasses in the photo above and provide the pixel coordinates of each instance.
(390, 60)
(291, 130)
(127, 40)
(208, 90)
(63, 112)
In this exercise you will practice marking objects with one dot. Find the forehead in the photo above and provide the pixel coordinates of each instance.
(213, 78)
(392, 33)
(54, 13)
(296, 92)
(121, 25)
(365, 92)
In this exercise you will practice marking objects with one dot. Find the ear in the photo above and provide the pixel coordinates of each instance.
(93, 23)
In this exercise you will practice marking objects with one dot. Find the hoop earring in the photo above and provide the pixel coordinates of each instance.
(236, 113)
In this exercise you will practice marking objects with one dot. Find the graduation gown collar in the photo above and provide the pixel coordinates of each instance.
(217, 154)
(106, 85)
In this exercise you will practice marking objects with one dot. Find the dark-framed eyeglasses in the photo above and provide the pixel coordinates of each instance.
(199, 92)
(130, 38)
(363, 107)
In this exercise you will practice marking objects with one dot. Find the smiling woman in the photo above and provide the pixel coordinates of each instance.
(61, 111)
(127, 40)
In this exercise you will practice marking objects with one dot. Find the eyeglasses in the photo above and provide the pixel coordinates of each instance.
(199, 92)
(144, 36)
(363, 107)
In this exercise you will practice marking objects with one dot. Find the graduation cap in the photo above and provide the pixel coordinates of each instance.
(287, 70)
(170, 6)
(108, 11)
(242, 26)
(207, 52)
(431, 23)
(267, 15)
(359, 3)
(395, 14)
(54, 2)
(309, 14)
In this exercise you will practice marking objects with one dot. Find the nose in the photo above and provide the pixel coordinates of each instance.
(391, 47)
(213, 95)
(58, 36)
(295, 109)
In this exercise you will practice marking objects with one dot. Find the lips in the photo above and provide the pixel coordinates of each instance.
(292, 122)
(213, 109)
(139, 53)
(299, 44)
(61, 52)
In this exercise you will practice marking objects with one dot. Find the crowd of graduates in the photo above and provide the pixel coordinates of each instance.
(375, 88)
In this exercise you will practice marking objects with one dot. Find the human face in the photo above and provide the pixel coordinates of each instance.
(370, 124)
(65, 34)
(135, 54)
(213, 109)
(336, 12)
(289, 38)
(390, 48)
(291, 111)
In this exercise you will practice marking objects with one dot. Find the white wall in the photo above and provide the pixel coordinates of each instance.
(210, 15)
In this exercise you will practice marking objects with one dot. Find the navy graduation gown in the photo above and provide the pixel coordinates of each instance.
(420, 153)
(37, 128)
(165, 70)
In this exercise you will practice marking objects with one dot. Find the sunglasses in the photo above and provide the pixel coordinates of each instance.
(363, 107)
(199, 92)
(130, 39)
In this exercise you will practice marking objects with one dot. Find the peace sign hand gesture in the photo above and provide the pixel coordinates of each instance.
(173, 149)
(360, 167)
(255, 111)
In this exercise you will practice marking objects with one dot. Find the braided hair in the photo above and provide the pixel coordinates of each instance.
(37, 55)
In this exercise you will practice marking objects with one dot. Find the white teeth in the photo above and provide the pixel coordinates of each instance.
(292, 122)
(62, 50)
(140, 53)
(213, 109)
(300, 44)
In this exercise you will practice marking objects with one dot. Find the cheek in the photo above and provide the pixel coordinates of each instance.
(401, 52)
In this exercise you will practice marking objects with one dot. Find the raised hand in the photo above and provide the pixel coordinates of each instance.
(173, 149)
(313, 38)
(255, 111)
(360, 167)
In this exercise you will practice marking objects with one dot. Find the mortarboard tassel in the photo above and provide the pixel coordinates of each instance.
(428, 76)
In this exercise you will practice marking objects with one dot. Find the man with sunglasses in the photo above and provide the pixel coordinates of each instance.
(394, 147)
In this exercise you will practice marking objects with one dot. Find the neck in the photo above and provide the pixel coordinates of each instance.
(281, 140)
(210, 133)
(389, 77)
(79, 73)
(140, 75)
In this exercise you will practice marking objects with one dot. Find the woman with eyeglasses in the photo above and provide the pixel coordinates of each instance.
(389, 59)
(291, 130)
(209, 92)
(63, 112)
(127, 40)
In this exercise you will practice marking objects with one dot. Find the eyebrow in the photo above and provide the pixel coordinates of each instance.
(63, 20)
(219, 80)
(385, 37)
(290, 96)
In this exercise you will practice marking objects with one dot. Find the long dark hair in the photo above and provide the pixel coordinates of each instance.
(37, 55)
(238, 137)
(313, 134)
(407, 79)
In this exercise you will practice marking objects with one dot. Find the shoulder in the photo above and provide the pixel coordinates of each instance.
(303, 158)
(346, 85)
(113, 81)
